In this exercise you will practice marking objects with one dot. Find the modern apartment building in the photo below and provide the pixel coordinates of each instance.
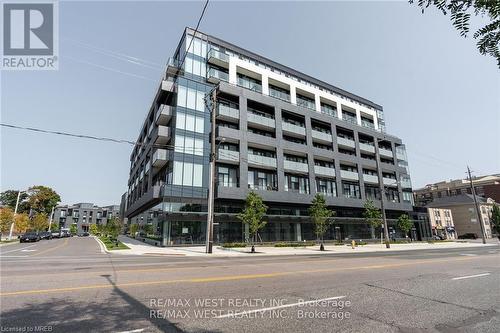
(464, 213)
(83, 215)
(485, 186)
(442, 225)
(279, 132)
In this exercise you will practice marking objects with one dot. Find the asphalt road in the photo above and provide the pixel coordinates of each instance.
(68, 285)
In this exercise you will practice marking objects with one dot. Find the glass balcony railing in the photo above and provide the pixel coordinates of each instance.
(215, 75)
(324, 171)
(349, 119)
(262, 160)
(216, 55)
(279, 95)
(306, 103)
(261, 120)
(346, 142)
(385, 152)
(322, 136)
(366, 147)
(228, 111)
(373, 179)
(292, 128)
(367, 124)
(349, 175)
(296, 166)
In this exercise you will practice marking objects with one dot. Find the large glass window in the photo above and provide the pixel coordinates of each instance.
(392, 195)
(326, 187)
(190, 122)
(294, 183)
(372, 192)
(188, 145)
(191, 98)
(188, 174)
(262, 180)
(408, 197)
(249, 83)
(227, 176)
(351, 190)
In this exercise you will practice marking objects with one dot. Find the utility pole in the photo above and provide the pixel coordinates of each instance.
(382, 194)
(478, 211)
(15, 213)
(211, 185)
(51, 215)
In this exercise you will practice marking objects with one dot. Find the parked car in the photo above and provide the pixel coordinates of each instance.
(83, 234)
(438, 237)
(468, 235)
(45, 235)
(29, 237)
(56, 234)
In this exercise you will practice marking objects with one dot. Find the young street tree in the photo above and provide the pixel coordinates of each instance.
(133, 229)
(6, 219)
(39, 222)
(252, 215)
(321, 216)
(373, 216)
(22, 222)
(41, 199)
(73, 229)
(488, 37)
(405, 224)
(93, 229)
(113, 228)
(495, 218)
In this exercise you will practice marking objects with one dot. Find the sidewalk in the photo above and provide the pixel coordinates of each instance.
(140, 248)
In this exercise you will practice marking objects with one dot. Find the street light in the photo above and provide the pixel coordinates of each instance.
(15, 213)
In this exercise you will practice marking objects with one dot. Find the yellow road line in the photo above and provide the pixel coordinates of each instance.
(228, 277)
(52, 248)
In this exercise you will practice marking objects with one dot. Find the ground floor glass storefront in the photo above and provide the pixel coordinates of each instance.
(176, 231)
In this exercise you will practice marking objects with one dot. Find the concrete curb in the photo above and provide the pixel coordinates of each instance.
(9, 243)
(101, 245)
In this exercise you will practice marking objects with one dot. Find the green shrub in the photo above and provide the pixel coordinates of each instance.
(113, 244)
(230, 245)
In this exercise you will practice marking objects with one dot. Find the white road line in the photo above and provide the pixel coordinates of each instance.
(133, 331)
(277, 307)
(470, 276)
(468, 254)
(3, 252)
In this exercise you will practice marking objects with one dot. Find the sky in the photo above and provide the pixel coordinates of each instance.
(440, 96)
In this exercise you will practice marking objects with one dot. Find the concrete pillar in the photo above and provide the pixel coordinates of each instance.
(293, 95)
(317, 101)
(265, 85)
(232, 71)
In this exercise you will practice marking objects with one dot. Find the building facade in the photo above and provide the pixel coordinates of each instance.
(442, 225)
(486, 187)
(280, 133)
(83, 215)
(464, 213)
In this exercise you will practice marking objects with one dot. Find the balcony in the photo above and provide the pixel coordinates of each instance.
(324, 171)
(226, 112)
(215, 76)
(279, 94)
(159, 158)
(371, 179)
(367, 124)
(296, 166)
(306, 103)
(229, 156)
(390, 181)
(344, 142)
(292, 129)
(385, 152)
(163, 135)
(261, 121)
(349, 175)
(367, 148)
(349, 119)
(168, 85)
(322, 136)
(262, 161)
(173, 67)
(164, 114)
(400, 155)
(218, 58)
(405, 182)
